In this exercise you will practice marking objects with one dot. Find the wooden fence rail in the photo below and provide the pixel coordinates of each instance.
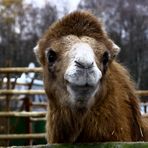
(22, 114)
(21, 92)
(142, 92)
(42, 92)
(145, 115)
(19, 70)
(22, 136)
(31, 114)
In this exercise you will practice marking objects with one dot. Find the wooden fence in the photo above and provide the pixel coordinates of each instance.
(6, 95)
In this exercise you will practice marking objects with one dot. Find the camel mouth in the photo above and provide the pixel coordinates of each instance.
(81, 94)
(82, 88)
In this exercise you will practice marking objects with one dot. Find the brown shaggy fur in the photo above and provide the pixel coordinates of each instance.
(115, 115)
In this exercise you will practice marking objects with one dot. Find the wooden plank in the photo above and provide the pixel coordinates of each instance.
(22, 114)
(20, 70)
(37, 119)
(21, 92)
(142, 92)
(145, 115)
(42, 92)
(21, 136)
(94, 145)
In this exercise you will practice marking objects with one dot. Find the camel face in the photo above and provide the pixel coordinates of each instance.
(76, 63)
(82, 73)
(74, 66)
(74, 57)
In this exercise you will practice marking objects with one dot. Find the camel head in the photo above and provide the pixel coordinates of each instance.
(75, 53)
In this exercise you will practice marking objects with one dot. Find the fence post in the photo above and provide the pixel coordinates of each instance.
(8, 107)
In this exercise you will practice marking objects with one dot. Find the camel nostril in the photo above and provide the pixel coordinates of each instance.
(84, 65)
(79, 64)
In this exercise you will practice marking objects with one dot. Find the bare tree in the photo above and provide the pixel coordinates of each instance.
(21, 26)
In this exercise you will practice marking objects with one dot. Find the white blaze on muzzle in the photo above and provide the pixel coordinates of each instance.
(82, 68)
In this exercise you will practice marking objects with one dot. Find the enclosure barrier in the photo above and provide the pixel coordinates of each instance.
(22, 92)
(94, 145)
(42, 92)
(40, 116)
(6, 95)
(22, 136)
(20, 70)
(145, 115)
(22, 114)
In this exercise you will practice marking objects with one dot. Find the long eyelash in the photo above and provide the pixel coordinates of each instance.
(105, 60)
(51, 55)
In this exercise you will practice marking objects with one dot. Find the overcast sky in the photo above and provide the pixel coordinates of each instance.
(71, 5)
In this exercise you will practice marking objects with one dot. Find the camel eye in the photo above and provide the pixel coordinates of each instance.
(105, 58)
(52, 56)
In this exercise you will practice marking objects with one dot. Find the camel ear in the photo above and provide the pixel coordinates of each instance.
(36, 51)
(113, 48)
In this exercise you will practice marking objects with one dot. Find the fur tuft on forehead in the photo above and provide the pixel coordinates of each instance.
(76, 23)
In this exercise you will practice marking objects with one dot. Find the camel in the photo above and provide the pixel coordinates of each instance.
(91, 97)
